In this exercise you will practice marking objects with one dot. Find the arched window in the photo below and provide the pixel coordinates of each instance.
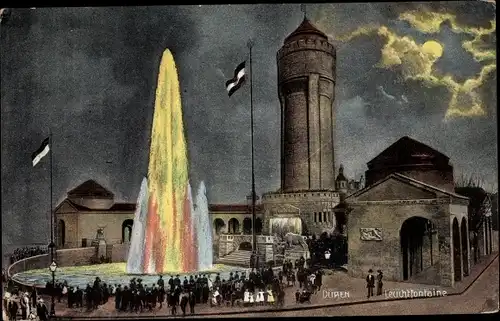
(127, 230)
(61, 233)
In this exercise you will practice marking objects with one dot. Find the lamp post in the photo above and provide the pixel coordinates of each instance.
(53, 268)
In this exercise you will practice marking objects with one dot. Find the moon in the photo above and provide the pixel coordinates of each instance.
(433, 48)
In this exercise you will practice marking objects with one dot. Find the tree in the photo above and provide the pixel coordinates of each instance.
(478, 209)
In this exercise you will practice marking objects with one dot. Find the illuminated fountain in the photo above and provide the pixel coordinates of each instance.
(171, 235)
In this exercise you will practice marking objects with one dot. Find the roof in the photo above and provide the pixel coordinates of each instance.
(477, 195)
(404, 149)
(231, 208)
(90, 188)
(117, 207)
(341, 177)
(306, 28)
(130, 207)
(410, 180)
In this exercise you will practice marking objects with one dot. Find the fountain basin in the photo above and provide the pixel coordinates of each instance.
(111, 273)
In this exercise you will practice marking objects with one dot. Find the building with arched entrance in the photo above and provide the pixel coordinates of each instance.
(408, 221)
(90, 206)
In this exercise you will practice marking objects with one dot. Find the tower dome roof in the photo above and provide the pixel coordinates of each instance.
(340, 176)
(305, 28)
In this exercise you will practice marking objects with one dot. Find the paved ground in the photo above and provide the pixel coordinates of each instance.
(482, 296)
(347, 290)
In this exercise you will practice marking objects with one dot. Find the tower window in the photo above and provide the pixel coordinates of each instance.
(315, 217)
(324, 217)
(320, 217)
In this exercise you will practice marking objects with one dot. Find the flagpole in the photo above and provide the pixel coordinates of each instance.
(254, 235)
(52, 244)
(51, 212)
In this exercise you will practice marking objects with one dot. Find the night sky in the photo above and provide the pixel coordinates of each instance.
(89, 75)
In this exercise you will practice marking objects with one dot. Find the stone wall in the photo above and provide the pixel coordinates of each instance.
(89, 222)
(304, 204)
(71, 230)
(67, 257)
(386, 254)
(119, 252)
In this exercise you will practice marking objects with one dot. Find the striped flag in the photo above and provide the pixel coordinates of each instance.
(232, 85)
(40, 152)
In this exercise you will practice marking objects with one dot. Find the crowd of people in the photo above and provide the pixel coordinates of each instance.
(328, 250)
(27, 251)
(30, 304)
(254, 287)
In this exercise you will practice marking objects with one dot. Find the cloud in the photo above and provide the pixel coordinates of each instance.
(414, 63)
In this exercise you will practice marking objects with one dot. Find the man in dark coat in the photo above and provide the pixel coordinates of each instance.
(184, 301)
(161, 282)
(34, 295)
(319, 279)
(118, 297)
(13, 308)
(42, 311)
(379, 282)
(205, 293)
(126, 298)
(88, 297)
(79, 297)
(192, 301)
(171, 282)
(370, 283)
(161, 295)
(177, 281)
(172, 301)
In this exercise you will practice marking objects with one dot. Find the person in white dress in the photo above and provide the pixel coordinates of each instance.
(26, 302)
(252, 298)
(246, 297)
(312, 278)
(260, 297)
(215, 297)
(270, 296)
(65, 290)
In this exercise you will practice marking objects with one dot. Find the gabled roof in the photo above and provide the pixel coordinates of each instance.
(407, 180)
(406, 148)
(90, 188)
(306, 27)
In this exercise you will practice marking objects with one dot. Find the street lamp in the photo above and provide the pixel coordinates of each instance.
(53, 268)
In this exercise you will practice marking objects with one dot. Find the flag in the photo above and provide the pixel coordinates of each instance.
(239, 78)
(40, 152)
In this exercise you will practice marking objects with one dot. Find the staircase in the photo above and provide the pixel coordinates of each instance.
(237, 258)
(295, 253)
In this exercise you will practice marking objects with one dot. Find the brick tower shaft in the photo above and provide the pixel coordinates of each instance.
(306, 87)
